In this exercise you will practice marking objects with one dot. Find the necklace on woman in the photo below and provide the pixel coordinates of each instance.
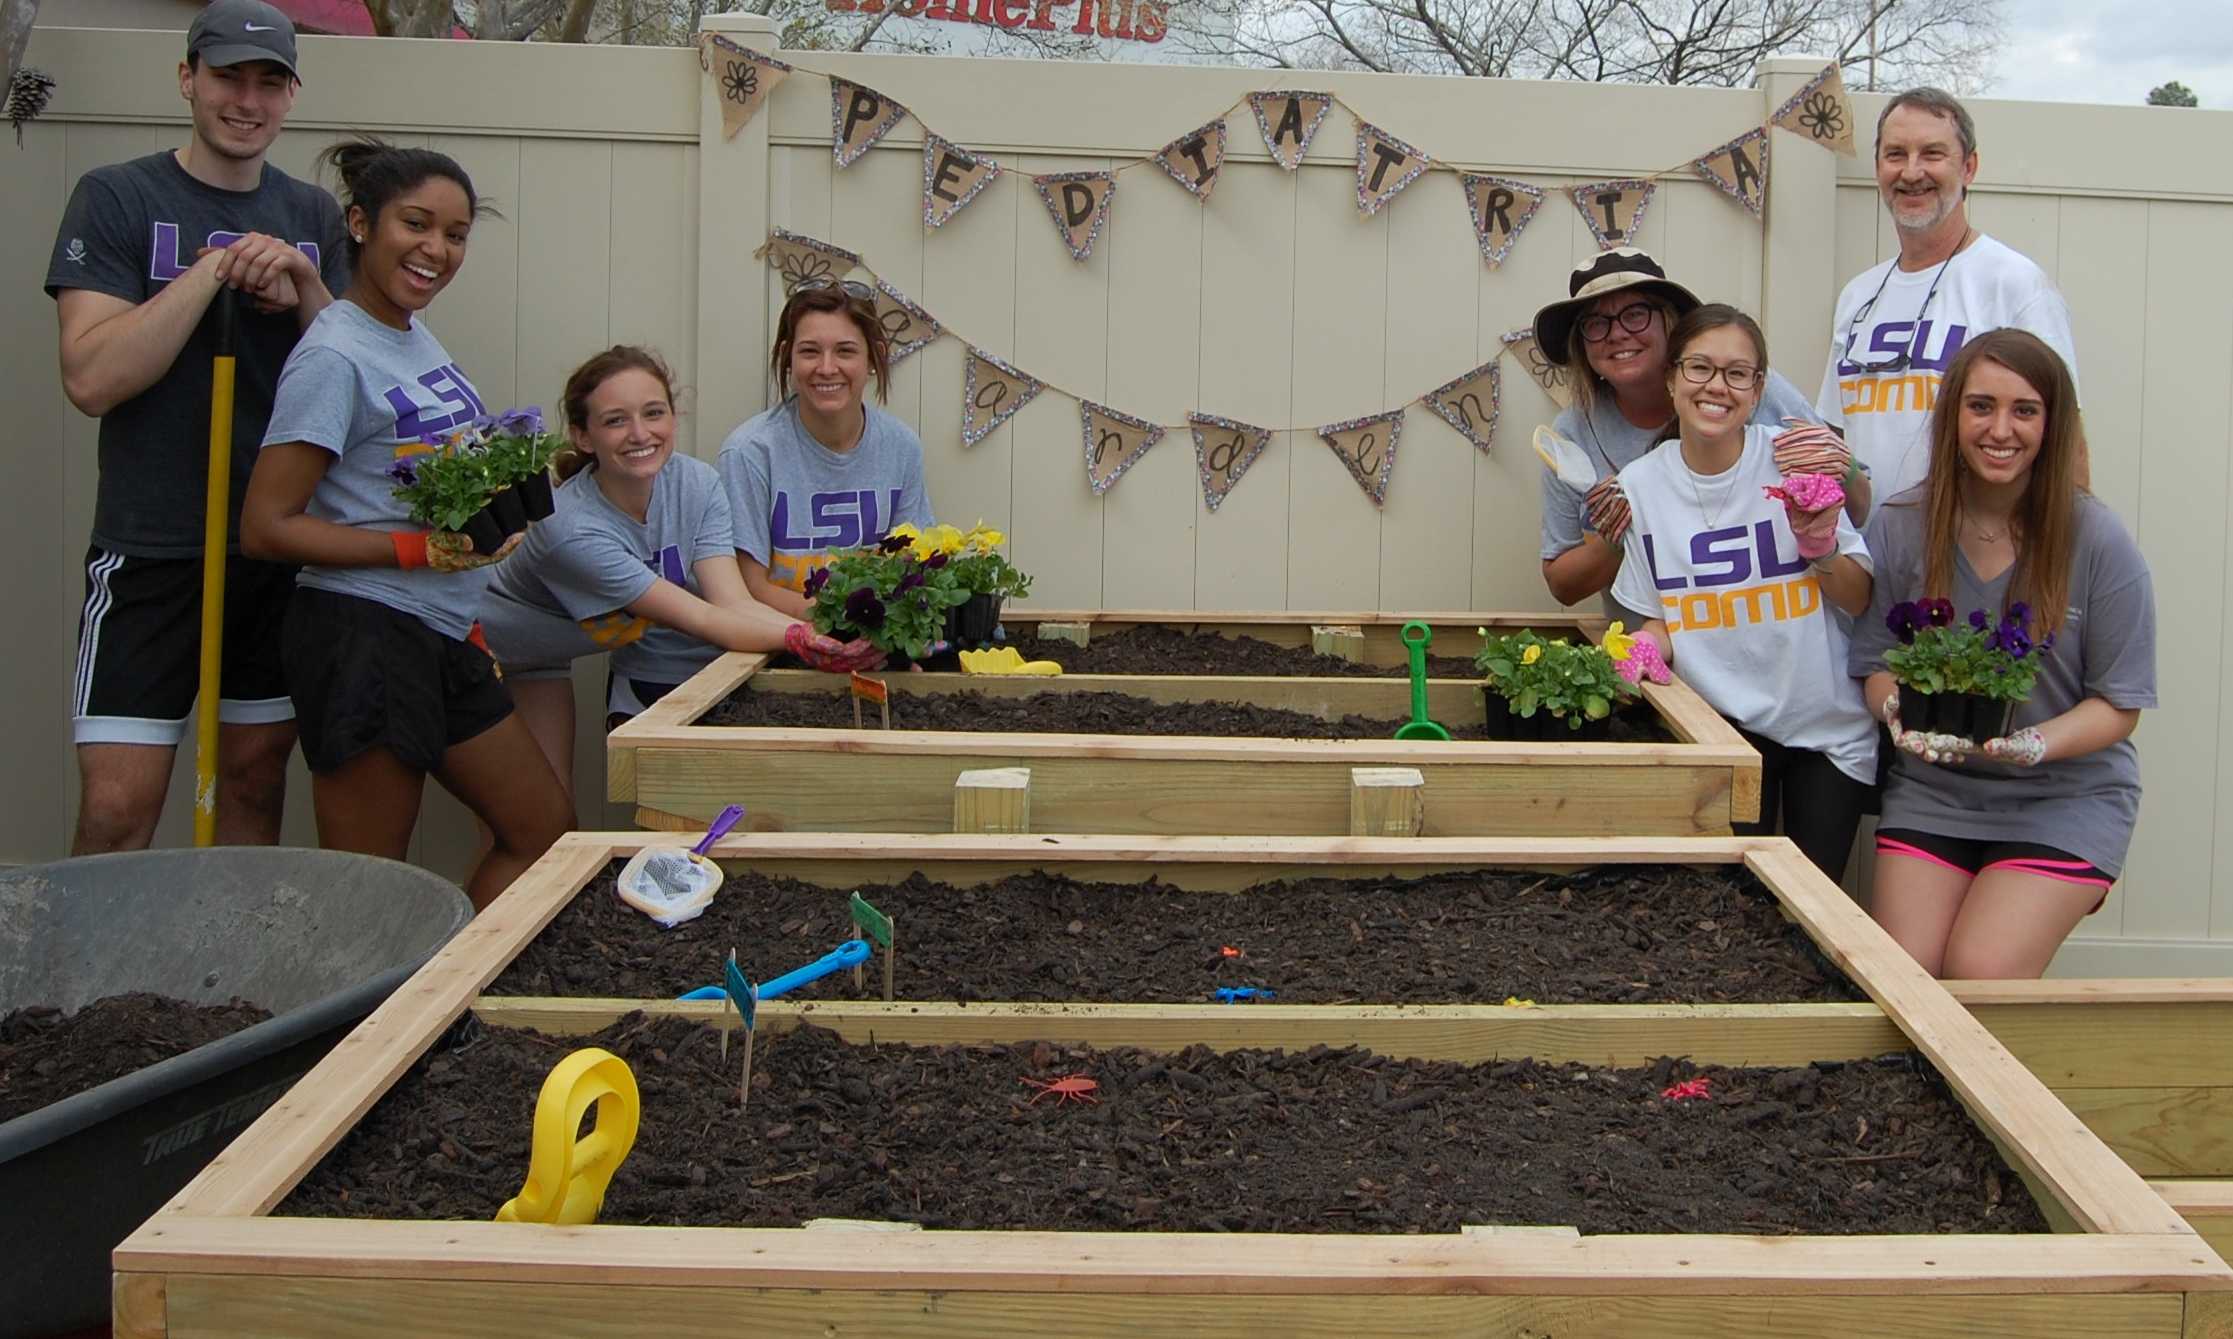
(1698, 492)
(1989, 536)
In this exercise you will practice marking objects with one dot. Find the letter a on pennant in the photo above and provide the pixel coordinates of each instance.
(1113, 440)
(742, 79)
(1288, 120)
(1223, 450)
(1552, 377)
(1469, 403)
(1500, 207)
(991, 393)
(1820, 112)
(1367, 447)
(1385, 165)
(1614, 210)
(1740, 169)
(1193, 160)
(907, 327)
(1079, 203)
(859, 116)
(952, 176)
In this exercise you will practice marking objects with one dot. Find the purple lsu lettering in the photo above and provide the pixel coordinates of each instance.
(1722, 561)
(1912, 389)
(458, 404)
(845, 519)
(167, 258)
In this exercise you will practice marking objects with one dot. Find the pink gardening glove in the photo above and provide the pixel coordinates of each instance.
(1605, 509)
(1811, 503)
(1643, 662)
(827, 654)
(1811, 448)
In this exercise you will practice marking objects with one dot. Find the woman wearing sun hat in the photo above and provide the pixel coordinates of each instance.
(1610, 334)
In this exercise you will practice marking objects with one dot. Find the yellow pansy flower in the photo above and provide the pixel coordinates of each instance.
(1531, 655)
(1617, 642)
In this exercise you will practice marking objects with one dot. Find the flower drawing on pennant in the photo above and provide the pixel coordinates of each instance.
(741, 82)
(1546, 373)
(1822, 117)
(799, 266)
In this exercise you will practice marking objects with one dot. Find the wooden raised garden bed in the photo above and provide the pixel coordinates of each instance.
(216, 1262)
(679, 771)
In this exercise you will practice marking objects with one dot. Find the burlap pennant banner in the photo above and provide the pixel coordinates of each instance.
(1739, 169)
(907, 327)
(1500, 207)
(952, 176)
(1614, 210)
(797, 258)
(991, 393)
(743, 77)
(1079, 203)
(1553, 377)
(1469, 403)
(1385, 165)
(1113, 441)
(859, 116)
(1288, 120)
(1821, 112)
(1367, 446)
(1193, 160)
(1223, 450)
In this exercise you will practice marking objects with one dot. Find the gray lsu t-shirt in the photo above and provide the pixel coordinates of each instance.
(1611, 442)
(129, 230)
(2084, 805)
(565, 592)
(796, 501)
(370, 393)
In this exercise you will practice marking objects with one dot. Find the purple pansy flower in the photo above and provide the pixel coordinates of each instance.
(404, 471)
(893, 543)
(863, 610)
(935, 561)
(527, 421)
(1938, 612)
(1905, 619)
(909, 582)
(815, 580)
(1978, 620)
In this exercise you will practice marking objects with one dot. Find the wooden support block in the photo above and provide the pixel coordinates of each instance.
(1387, 801)
(1344, 641)
(993, 800)
(1077, 634)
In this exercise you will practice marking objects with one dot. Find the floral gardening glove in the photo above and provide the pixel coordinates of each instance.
(445, 550)
(2025, 748)
(1605, 509)
(863, 655)
(1931, 747)
(824, 653)
(1635, 658)
(1811, 448)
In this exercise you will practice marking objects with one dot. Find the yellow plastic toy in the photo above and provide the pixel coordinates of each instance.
(566, 1180)
(1005, 660)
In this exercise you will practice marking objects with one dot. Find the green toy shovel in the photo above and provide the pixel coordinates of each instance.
(1416, 638)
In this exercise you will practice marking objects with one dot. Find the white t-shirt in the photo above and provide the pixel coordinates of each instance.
(1750, 629)
(1887, 415)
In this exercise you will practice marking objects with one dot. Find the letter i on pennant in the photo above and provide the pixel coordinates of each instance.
(1614, 210)
(1193, 159)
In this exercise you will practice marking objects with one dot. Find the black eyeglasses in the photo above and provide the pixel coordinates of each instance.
(1898, 362)
(1700, 371)
(1634, 318)
(853, 287)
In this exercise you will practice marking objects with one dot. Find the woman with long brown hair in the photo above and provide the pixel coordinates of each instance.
(1991, 851)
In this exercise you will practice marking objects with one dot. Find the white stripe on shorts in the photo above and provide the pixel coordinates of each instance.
(98, 598)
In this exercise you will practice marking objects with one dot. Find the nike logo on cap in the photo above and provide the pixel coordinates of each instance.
(257, 27)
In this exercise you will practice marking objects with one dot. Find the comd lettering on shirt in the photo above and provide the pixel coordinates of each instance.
(615, 630)
(167, 258)
(1916, 392)
(846, 519)
(456, 404)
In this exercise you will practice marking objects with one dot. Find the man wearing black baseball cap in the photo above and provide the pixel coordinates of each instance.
(144, 249)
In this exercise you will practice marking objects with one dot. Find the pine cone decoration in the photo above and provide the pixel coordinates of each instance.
(27, 97)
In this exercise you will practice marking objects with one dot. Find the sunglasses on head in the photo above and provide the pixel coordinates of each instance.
(854, 288)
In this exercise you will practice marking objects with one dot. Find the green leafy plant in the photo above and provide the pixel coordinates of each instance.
(974, 562)
(1938, 655)
(446, 482)
(886, 595)
(1534, 673)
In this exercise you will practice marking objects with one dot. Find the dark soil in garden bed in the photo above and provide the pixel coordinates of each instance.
(1257, 1141)
(1668, 934)
(46, 1055)
(1153, 649)
(1095, 713)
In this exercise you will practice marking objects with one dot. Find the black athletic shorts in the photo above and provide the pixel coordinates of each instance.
(1971, 856)
(140, 646)
(366, 676)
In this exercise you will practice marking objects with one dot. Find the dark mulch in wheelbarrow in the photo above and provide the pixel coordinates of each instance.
(1628, 934)
(46, 1055)
(1097, 713)
(1322, 1140)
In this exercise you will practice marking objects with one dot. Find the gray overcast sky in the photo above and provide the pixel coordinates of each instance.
(2088, 51)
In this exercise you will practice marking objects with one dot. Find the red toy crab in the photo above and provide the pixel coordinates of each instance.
(1068, 1088)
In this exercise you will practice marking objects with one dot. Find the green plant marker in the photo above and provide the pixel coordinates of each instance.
(745, 995)
(879, 927)
(1417, 637)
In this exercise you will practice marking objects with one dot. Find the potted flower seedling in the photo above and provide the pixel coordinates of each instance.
(520, 453)
(887, 595)
(1962, 678)
(1535, 687)
(976, 566)
(447, 487)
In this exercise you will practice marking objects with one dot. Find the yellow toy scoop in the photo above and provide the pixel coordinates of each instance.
(1005, 660)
